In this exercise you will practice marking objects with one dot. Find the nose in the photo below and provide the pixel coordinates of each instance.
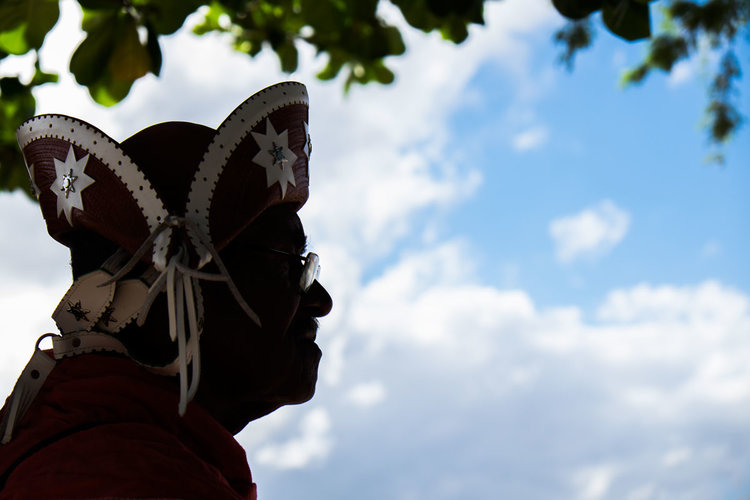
(317, 300)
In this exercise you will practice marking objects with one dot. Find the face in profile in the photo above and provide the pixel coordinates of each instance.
(248, 371)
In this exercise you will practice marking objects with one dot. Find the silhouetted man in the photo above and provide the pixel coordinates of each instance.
(193, 308)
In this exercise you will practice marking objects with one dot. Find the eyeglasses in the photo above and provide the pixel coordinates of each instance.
(310, 266)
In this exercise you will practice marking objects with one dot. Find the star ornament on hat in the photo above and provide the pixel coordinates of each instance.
(172, 196)
(70, 181)
(276, 157)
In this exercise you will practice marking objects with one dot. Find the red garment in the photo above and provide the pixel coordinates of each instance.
(103, 427)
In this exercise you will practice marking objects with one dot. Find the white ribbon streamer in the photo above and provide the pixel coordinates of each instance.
(179, 279)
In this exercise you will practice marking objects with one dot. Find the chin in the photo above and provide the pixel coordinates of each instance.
(256, 410)
(300, 387)
(303, 388)
(303, 396)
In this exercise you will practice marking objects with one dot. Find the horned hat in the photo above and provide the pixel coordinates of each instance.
(171, 196)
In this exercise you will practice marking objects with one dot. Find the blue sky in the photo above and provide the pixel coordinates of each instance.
(540, 289)
(641, 147)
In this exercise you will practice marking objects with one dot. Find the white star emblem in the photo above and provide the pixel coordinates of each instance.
(276, 157)
(69, 183)
(308, 142)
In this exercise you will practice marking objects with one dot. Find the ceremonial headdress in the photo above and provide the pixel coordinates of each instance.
(171, 196)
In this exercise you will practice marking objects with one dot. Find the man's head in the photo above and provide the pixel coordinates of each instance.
(188, 200)
(247, 370)
(250, 370)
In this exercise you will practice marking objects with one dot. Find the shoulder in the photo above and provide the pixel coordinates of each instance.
(117, 460)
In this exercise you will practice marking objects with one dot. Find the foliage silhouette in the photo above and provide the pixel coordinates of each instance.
(122, 43)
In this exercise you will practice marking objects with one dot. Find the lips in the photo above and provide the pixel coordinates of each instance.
(305, 328)
(309, 335)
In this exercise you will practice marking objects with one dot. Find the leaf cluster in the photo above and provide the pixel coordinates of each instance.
(23, 27)
(121, 43)
(689, 27)
(628, 19)
(351, 33)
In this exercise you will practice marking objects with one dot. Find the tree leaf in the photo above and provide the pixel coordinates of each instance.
(40, 77)
(325, 16)
(335, 63)
(166, 16)
(12, 14)
(13, 173)
(93, 53)
(382, 73)
(440, 8)
(627, 19)
(416, 14)
(101, 4)
(635, 75)
(575, 36)
(210, 20)
(394, 40)
(111, 57)
(475, 13)
(154, 51)
(24, 24)
(11, 87)
(577, 9)
(130, 59)
(14, 41)
(666, 50)
(16, 105)
(42, 17)
(455, 31)
(288, 56)
(109, 91)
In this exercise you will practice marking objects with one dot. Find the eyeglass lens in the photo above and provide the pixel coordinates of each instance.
(310, 271)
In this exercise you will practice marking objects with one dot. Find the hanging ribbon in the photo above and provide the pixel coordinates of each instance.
(180, 281)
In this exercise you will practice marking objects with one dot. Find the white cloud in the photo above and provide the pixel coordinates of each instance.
(531, 138)
(35, 273)
(29, 252)
(681, 73)
(621, 407)
(25, 309)
(313, 443)
(592, 232)
(21, 66)
(677, 456)
(430, 304)
(708, 302)
(645, 492)
(704, 59)
(593, 482)
(368, 394)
